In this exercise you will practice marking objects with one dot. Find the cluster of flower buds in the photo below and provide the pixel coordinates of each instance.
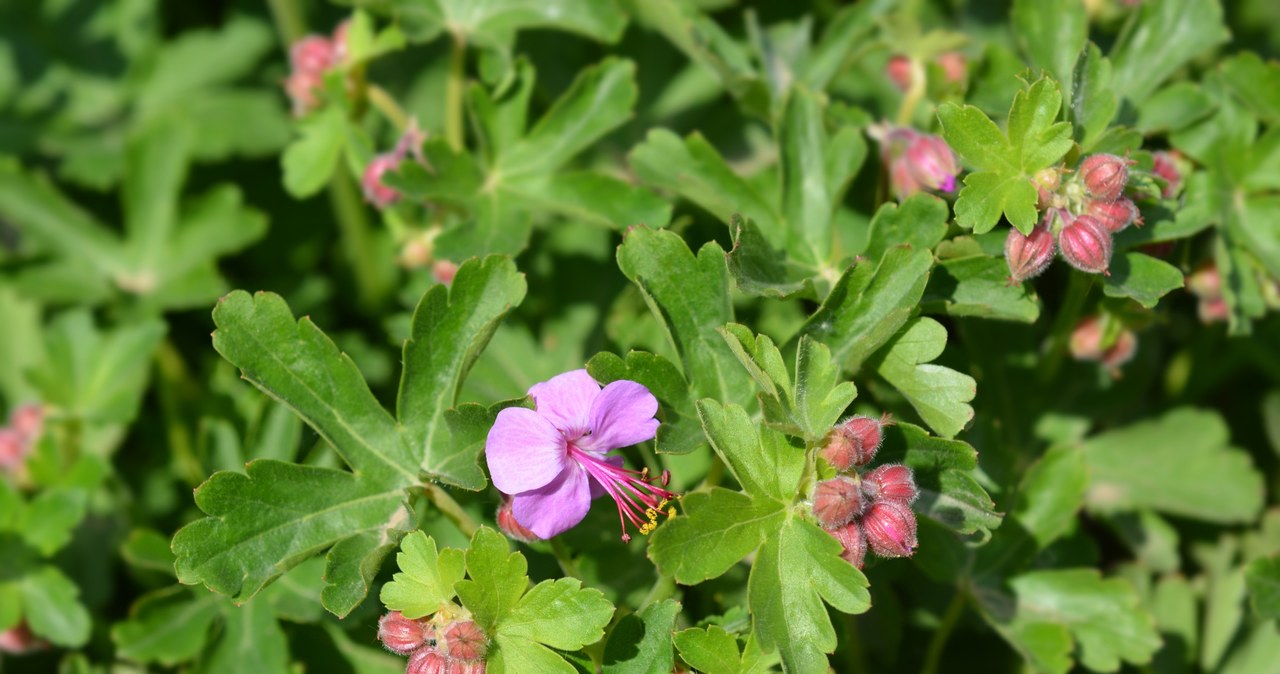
(310, 58)
(1097, 339)
(379, 193)
(18, 438)
(865, 510)
(435, 646)
(1206, 284)
(901, 70)
(915, 161)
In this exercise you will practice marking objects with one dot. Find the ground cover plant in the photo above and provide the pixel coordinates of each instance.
(640, 336)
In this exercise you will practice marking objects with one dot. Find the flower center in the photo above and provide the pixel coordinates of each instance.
(639, 501)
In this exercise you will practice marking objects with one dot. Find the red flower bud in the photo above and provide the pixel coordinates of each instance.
(464, 640)
(403, 635)
(13, 449)
(1085, 244)
(890, 527)
(311, 54)
(854, 542)
(892, 482)
(508, 524)
(1086, 339)
(301, 87)
(430, 661)
(954, 66)
(916, 161)
(375, 192)
(443, 271)
(1213, 310)
(1114, 215)
(899, 71)
(1121, 352)
(1205, 282)
(1104, 176)
(19, 639)
(836, 502)
(27, 420)
(1028, 256)
(854, 442)
(1166, 166)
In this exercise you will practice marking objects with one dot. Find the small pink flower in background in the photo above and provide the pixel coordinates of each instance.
(915, 161)
(19, 639)
(898, 69)
(553, 460)
(377, 192)
(955, 67)
(1166, 166)
(309, 59)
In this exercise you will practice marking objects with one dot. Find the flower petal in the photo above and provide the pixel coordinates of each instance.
(565, 400)
(621, 415)
(524, 451)
(556, 507)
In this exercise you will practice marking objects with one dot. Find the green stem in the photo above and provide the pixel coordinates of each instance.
(565, 557)
(290, 20)
(453, 90)
(175, 381)
(357, 241)
(915, 94)
(938, 643)
(663, 588)
(450, 509)
(1078, 286)
(387, 105)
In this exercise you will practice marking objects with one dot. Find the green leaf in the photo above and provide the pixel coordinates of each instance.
(1104, 618)
(1166, 36)
(869, 304)
(642, 643)
(939, 394)
(1174, 108)
(250, 634)
(1179, 464)
(148, 550)
(764, 462)
(944, 474)
(168, 626)
(818, 398)
(787, 603)
(52, 607)
(451, 326)
(691, 296)
(680, 432)
(496, 578)
(1093, 103)
(277, 514)
(310, 161)
(1263, 579)
(1004, 164)
(51, 517)
(1255, 83)
(711, 650)
(920, 222)
(590, 197)
(979, 286)
(1052, 493)
(426, 577)
(718, 529)
(1052, 33)
(1142, 278)
(561, 614)
(494, 24)
(759, 269)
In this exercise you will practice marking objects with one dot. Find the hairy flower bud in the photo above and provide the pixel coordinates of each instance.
(853, 541)
(464, 640)
(1104, 176)
(403, 635)
(1028, 256)
(1166, 166)
(1114, 215)
(854, 442)
(892, 482)
(509, 526)
(898, 69)
(1085, 244)
(430, 661)
(375, 191)
(836, 502)
(890, 527)
(311, 54)
(915, 161)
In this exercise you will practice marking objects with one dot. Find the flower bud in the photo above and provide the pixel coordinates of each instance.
(443, 271)
(27, 420)
(1028, 256)
(1085, 244)
(1166, 166)
(507, 523)
(899, 71)
(853, 442)
(403, 635)
(1114, 215)
(311, 54)
(13, 449)
(1121, 352)
(429, 661)
(375, 192)
(1213, 310)
(1047, 181)
(301, 87)
(892, 482)
(19, 639)
(1104, 176)
(954, 66)
(836, 502)
(339, 43)
(1205, 282)
(464, 640)
(890, 528)
(853, 541)
(916, 161)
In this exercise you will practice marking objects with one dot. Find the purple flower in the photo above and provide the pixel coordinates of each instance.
(554, 460)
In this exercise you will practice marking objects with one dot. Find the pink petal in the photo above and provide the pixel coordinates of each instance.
(524, 451)
(565, 400)
(621, 415)
(556, 507)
